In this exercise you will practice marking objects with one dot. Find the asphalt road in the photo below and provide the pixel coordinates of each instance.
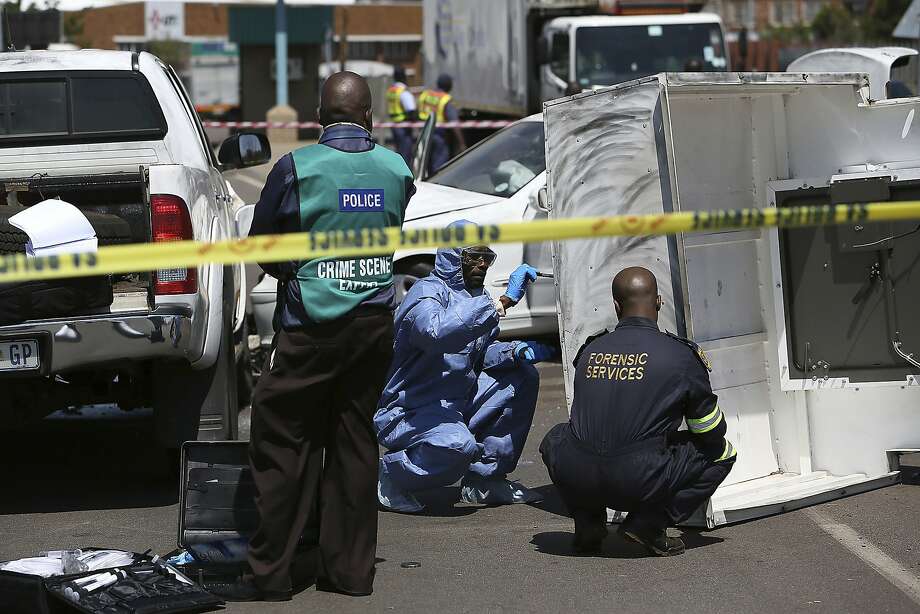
(90, 480)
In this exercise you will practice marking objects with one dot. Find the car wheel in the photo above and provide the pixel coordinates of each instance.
(405, 276)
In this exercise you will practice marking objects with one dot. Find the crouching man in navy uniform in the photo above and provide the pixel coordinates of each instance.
(621, 448)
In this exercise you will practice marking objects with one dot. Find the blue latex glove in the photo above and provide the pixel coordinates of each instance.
(517, 283)
(533, 352)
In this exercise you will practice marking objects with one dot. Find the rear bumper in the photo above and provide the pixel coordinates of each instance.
(68, 344)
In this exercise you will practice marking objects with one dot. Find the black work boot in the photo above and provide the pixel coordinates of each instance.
(245, 590)
(589, 536)
(656, 542)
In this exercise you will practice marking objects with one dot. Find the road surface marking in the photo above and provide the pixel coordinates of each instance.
(890, 569)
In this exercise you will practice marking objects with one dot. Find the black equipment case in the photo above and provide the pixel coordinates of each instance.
(217, 504)
(145, 586)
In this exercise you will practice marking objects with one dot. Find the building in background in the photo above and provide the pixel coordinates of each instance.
(252, 29)
(759, 15)
(388, 33)
(191, 37)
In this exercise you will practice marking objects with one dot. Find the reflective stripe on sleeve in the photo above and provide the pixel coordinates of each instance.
(706, 423)
(728, 453)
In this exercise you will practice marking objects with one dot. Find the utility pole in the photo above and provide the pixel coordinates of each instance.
(343, 39)
(281, 49)
(281, 113)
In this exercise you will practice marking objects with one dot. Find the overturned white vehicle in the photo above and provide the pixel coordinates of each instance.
(811, 332)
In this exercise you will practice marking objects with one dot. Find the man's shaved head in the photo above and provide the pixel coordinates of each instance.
(635, 293)
(345, 98)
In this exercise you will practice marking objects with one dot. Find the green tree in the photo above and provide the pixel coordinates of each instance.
(882, 17)
(835, 23)
(72, 28)
(174, 53)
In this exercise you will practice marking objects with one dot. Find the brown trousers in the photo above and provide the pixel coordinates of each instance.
(313, 437)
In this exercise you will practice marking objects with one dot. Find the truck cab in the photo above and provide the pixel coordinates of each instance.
(597, 51)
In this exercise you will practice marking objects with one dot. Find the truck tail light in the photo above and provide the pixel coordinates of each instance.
(171, 222)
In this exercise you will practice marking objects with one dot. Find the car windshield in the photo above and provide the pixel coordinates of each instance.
(499, 165)
(612, 54)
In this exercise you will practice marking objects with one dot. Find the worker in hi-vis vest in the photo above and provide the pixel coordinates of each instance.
(437, 102)
(312, 435)
(401, 108)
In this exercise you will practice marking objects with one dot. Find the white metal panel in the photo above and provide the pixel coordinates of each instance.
(829, 131)
(712, 142)
(852, 428)
(80, 158)
(604, 156)
(748, 421)
(724, 294)
(737, 361)
(801, 131)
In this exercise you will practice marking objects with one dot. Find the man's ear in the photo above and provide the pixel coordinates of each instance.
(319, 116)
(617, 308)
(369, 119)
(658, 303)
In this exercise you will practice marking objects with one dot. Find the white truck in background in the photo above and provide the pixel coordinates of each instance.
(115, 134)
(507, 58)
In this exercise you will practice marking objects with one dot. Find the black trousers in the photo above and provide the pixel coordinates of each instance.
(313, 439)
(659, 482)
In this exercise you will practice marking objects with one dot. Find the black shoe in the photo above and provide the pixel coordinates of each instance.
(245, 590)
(589, 537)
(323, 584)
(658, 544)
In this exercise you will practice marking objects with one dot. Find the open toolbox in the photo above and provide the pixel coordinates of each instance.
(218, 514)
(143, 584)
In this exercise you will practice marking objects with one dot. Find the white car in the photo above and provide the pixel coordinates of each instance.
(114, 134)
(498, 180)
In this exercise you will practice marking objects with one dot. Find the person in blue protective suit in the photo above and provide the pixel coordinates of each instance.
(458, 403)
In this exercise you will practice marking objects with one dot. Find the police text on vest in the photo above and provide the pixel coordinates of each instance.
(356, 200)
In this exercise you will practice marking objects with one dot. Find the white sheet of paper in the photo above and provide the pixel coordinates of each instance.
(74, 247)
(55, 227)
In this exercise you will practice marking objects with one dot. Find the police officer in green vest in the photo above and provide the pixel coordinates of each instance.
(312, 435)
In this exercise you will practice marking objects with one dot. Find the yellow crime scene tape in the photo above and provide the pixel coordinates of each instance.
(338, 244)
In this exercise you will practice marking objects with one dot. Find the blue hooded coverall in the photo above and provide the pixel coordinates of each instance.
(456, 400)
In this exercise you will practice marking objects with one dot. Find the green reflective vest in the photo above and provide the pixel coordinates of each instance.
(349, 192)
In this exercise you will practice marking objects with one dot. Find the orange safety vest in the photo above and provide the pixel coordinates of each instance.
(433, 102)
(394, 103)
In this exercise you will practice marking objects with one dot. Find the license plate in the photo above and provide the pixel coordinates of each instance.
(19, 355)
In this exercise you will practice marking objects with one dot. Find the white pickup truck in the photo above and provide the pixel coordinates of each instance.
(115, 134)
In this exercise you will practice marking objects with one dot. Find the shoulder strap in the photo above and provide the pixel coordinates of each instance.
(697, 350)
(586, 344)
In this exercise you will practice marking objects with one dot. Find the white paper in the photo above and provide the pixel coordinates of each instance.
(655, 30)
(36, 566)
(709, 53)
(55, 227)
(74, 247)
